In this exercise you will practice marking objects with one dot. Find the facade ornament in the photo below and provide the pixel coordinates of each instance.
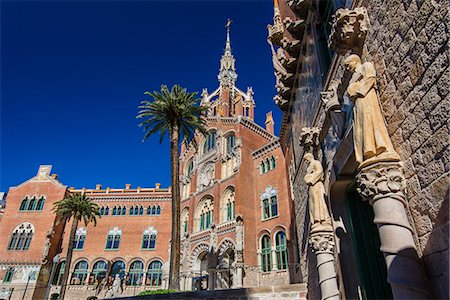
(370, 136)
(49, 234)
(318, 210)
(299, 7)
(282, 103)
(295, 27)
(206, 176)
(275, 31)
(292, 47)
(309, 138)
(383, 185)
(349, 29)
(323, 242)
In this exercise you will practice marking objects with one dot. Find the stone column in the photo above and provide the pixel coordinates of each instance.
(383, 185)
(274, 259)
(322, 244)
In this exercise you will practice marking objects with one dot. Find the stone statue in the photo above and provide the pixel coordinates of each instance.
(207, 176)
(318, 211)
(116, 285)
(239, 233)
(371, 139)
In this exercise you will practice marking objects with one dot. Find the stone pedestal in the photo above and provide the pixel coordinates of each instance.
(383, 185)
(322, 244)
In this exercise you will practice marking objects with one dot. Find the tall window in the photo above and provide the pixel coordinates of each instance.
(131, 210)
(204, 214)
(9, 275)
(136, 273)
(141, 210)
(269, 203)
(154, 210)
(149, 239)
(99, 270)
(154, 274)
(266, 262)
(40, 203)
(102, 210)
(113, 239)
(272, 163)
(32, 204)
(136, 210)
(190, 167)
(210, 142)
(79, 273)
(281, 250)
(114, 211)
(80, 236)
(24, 204)
(59, 273)
(230, 142)
(184, 220)
(106, 210)
(227, 205)
(21, 237)
(267, 164)
(118, 267)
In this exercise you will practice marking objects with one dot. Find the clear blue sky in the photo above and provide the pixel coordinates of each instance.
(73, 74)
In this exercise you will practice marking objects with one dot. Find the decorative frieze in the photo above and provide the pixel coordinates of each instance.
(295, 27)
(349, 30)
(322, 242)
(309, 138)
(299, 7)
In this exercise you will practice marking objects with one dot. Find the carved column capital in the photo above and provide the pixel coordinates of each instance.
(349, 30)
(309, 138)
(381, 180)
(322, 242)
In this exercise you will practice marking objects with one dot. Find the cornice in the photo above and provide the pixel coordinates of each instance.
(266, 149)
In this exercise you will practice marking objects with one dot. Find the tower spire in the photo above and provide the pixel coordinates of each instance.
(227, 74)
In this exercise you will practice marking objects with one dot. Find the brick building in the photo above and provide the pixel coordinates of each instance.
(236, 217)
(351, 76)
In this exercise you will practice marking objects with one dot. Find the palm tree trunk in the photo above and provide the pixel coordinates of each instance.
(73, 231)
(174, 270)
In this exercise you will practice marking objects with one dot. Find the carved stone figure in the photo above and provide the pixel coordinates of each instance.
(48, 235)
(371, 139)
(318, 211)
(206, 176)
(310, 138)
(116, 285)
(239, 233)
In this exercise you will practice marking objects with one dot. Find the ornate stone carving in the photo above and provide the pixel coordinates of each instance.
(206, 176)
(309, 138)
(239, 233)
(299, 7)
(49, 234)
(292, 47)
(370, 136)
(349, 30)
(318, 210)
(275, 31)
(322, 242)
(282, 103)
(378, 181)
(295, 27)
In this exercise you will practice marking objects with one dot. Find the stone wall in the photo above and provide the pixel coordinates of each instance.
(408, 43)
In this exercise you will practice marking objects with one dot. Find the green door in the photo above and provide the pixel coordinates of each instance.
(369, 258)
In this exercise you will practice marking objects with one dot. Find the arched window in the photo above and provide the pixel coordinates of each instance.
(102, 210)
(272, 163)
(136, 273)
(149, 210)
(118, 267)
(190, 167)
(281, 250)
(141, 210)
(136, 210)
(80, 236)
(9, 275)
(266, 165)
(269, 203)
(266, 262)
(99, 270)
(21, 237)
(204, 214)
(79, 273)
(121, 211)
(40, 204)
(32, 204)
(149, 239)
(158, 210)
(247, 112)
(114, 212)
(107, 211)
(24, 204)
(124, 210)
(59, 273)
(154, 274)
(210, 142)
(227, 205)
(184, 221)
(131, 210)
(113, 239)
(262, 169)
(230, 142)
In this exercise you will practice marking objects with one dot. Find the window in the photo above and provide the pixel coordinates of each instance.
(266, 262)
(141, 210)
(158, 210)
(59, 273)
(149, 239)
(21, 237)
(9, 275)
(113, 239)
(102, 211)
(24, 204)
(80, 236)
(154, 274)
(31, 204)
(40, 204)
(136, 210)
(153, 210)
(281, 250)
(227, 205)
(203, 216)
(118, 267)
(272, 163)
(99, 270)
(131, 210)
(79, 273)
(184, 221)
(269, 203)
(230, 142)
(114, 211)
(107, 211)
(124, 210)
(190, 167)
(119, 211)
(210, 142)
(136, 273)
(267, 165)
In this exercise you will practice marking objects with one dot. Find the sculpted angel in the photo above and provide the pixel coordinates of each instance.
(318, 210)
(371, 139)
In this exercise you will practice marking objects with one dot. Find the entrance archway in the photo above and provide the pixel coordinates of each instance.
(226, 269)
(200, 271)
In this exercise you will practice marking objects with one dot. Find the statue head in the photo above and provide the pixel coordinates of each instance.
(352, 62)
(309, 157)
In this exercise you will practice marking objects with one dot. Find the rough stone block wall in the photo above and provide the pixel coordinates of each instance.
(408, 43)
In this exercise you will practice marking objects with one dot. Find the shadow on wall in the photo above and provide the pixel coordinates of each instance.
(436, 254)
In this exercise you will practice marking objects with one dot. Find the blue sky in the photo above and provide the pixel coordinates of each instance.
(73, 74)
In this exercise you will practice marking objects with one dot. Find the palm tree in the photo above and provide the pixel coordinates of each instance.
(177, 113)
(77, 207)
